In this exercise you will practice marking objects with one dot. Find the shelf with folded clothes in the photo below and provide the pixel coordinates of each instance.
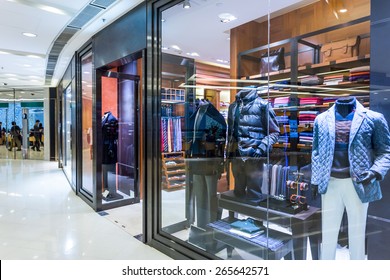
(173, 170)
(279, 75)
(336, 65)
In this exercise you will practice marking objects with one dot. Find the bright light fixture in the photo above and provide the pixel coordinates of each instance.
(186, 4)
(226, 17)
(52, 10)
(28, 34)
(176, 47)
(343, 10)
(193, 54)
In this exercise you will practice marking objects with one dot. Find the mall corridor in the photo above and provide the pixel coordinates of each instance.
(42, 218)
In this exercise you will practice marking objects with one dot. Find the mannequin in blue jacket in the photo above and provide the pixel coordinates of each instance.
(252, 130)
(351, 154)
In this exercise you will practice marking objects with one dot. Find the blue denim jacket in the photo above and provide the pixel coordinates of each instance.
(368, 149)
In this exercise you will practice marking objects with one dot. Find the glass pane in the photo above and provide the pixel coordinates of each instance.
(67, 132)
(86, 123)
(23, 109)
(257, 167)
(119, 132)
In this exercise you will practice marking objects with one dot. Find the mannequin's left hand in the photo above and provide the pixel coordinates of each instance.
(366, 177)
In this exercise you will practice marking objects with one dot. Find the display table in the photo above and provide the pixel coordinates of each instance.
(271, 245)
(302, 225)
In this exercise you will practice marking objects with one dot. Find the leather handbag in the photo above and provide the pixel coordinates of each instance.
(275, 61)
(340, 49)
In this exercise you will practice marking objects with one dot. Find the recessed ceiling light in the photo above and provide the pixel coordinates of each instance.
(222, 61)
(52, 10)
(28, 34)
(176, 47)
(186, 4)
(226, 17)
(193, 54)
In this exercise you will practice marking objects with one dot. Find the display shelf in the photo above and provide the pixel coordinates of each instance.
(304, 146)
(340, 64)
(173, 169)
(281, 145)
(172, 95)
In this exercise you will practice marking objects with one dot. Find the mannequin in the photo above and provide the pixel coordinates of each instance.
(110, 146)
(351, 154)
(206, 162)
(252, 130)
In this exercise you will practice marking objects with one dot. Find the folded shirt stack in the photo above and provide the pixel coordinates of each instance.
(328, 100)
(281, 102)
(282, 119)
(359, 73)
(335, 79)
(310, 101)
(306, 137)
(283, 138)
(307, 117)
(311, 80)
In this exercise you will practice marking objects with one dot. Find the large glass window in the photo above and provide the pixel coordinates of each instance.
(67, 131)
(260, 105)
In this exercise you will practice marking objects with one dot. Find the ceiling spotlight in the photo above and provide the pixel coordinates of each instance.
(28, 34)
(186, 4)
(226, 17)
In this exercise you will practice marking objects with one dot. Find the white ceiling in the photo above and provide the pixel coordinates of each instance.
(23, 59)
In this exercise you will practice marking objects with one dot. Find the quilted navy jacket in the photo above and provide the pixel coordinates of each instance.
(249, 116)
(368, 149)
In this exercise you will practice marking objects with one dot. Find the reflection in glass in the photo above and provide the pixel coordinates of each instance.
(67, 132)
(119, 137)
(86, 119)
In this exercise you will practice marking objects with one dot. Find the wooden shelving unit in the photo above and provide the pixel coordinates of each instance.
(173, 170)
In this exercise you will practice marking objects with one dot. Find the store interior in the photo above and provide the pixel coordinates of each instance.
(214, 49)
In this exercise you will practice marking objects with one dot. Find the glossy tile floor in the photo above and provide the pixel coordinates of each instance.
(42, 218)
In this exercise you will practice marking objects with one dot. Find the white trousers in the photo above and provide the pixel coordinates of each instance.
(341, 195)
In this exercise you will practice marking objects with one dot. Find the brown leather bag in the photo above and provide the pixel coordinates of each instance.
(340, 49)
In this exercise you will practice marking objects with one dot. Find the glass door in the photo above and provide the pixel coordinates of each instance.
(119, 135)
(22, 124)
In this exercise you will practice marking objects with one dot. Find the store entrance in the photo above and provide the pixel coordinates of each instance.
(21, 125)
(119, 134)
(120, 145)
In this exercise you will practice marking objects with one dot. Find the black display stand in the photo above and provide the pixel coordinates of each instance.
(252, 247)
(304, 225)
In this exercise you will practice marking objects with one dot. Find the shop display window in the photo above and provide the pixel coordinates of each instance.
(241, 125)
